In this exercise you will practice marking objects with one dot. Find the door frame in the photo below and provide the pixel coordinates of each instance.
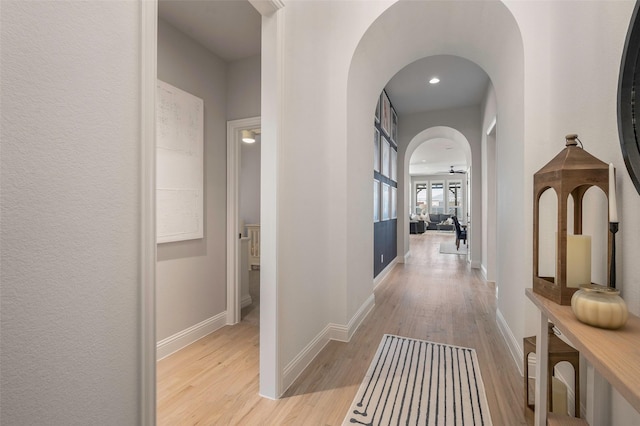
(147, 212)
(234, 141)
(491, 201)
(273, 38)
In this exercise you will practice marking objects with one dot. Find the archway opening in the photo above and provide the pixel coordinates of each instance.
(437, 163)
(453, 30)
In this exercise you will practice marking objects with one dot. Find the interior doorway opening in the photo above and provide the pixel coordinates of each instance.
(435, 193)
(243, 214)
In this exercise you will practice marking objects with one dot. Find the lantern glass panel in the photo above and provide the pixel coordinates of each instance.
(595, 223)
(548, 216)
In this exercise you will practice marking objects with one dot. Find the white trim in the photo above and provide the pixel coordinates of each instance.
(343, 333)
(234, 130)
(571, 395)
(273, 113)
(246, 301)
(147, 318)
(267, 7)
(512, 343)
(184, 338)
(301, 361)
(597, 399)
(384, 273)
(483, 270)
(492, 124)
(475, 264)
(406, 257)
(331, 332)
(532, 365)
(518, 354)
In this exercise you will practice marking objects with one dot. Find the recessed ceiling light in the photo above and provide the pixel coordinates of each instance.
(434, 80)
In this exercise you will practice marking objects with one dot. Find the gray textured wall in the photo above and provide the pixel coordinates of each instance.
(70, 213)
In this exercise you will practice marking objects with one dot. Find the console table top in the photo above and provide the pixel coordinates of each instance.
(615, 354)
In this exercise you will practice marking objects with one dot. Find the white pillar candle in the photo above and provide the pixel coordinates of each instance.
(613, 208)
(578, 260)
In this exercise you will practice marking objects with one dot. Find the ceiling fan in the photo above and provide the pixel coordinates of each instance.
(451, 171)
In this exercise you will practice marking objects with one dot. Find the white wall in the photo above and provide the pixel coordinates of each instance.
(488, 159)
(70, 174)
(571, 87)
(243, 88)
(335, 159)
(191, 275)
(467, 121)
(70, 213)
(411, 30)
(562, 98)
(243, 101)
(310, 153)
(249, 196)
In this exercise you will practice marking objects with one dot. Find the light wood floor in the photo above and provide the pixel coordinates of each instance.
(434, 297)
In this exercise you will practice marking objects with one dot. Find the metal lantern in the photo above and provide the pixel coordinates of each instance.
(572, 172)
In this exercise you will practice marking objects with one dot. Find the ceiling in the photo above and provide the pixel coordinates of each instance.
(437, 156)
(462, 84)
(231, 29)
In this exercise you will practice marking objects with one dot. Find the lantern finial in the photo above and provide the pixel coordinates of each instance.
(572, 139)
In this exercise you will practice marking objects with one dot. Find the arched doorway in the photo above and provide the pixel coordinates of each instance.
(456, 138)
(485, 33)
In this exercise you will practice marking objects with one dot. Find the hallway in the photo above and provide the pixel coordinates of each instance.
(434, 297)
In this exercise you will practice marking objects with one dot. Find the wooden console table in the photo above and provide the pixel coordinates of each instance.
(615, 354)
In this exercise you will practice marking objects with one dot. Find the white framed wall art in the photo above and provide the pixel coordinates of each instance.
(179, 165)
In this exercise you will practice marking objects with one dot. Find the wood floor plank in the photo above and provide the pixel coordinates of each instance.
(435, 297)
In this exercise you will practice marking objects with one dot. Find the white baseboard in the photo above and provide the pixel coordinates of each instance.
(184, 338)
(337, 332)
(485, 274)
(246, 301)
(343, 333)
(512, 342)
(406, 257)
(304, 358)
(384, 273)
(475, 264)
(518, 356)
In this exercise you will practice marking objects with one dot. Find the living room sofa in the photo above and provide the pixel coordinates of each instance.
(440, 222)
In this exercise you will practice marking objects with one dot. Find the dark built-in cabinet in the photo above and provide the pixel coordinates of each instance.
(385, 186)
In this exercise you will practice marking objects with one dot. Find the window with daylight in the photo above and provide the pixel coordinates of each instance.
(421, 197)
(437, 197)
(454, 198)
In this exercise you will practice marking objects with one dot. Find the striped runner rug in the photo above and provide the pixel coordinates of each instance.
(415, 382)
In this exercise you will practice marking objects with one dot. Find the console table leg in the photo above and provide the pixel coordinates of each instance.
(542, 361)
(598, 398)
